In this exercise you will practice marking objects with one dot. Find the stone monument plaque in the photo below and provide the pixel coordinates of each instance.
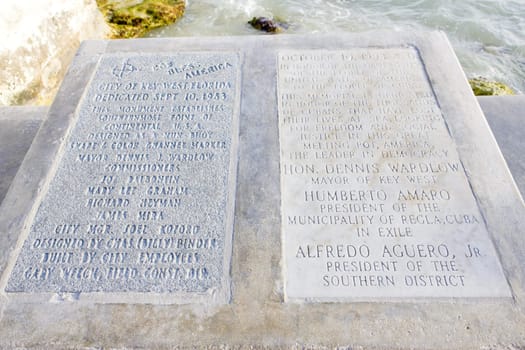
(373, 208)
(142, 197)
(375, 200)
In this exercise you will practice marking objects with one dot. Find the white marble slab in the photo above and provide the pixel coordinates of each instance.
(375, 200)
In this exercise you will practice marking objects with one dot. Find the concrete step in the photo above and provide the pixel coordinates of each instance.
(18, 127)
(506, 117)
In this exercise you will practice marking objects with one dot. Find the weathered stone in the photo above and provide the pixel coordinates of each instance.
(38, 43)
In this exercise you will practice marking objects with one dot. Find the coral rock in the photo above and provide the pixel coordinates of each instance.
(134, 19)
(484, 87)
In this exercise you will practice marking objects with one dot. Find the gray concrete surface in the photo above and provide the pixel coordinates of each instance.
(18, 127)
(506, 117)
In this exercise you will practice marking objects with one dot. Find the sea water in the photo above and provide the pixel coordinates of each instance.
(488, 36)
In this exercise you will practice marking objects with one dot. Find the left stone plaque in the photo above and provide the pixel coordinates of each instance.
(142, 196)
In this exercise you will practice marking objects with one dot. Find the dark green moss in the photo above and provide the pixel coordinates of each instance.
(134, 21)
(484, 87)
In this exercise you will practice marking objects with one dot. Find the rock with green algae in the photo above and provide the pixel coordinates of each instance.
(131, 19)
(484, 87)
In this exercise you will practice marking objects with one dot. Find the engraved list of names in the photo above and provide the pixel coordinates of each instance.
(375, 201)
(142, 199)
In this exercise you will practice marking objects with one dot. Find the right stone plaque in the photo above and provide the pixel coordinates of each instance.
(376, 203)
